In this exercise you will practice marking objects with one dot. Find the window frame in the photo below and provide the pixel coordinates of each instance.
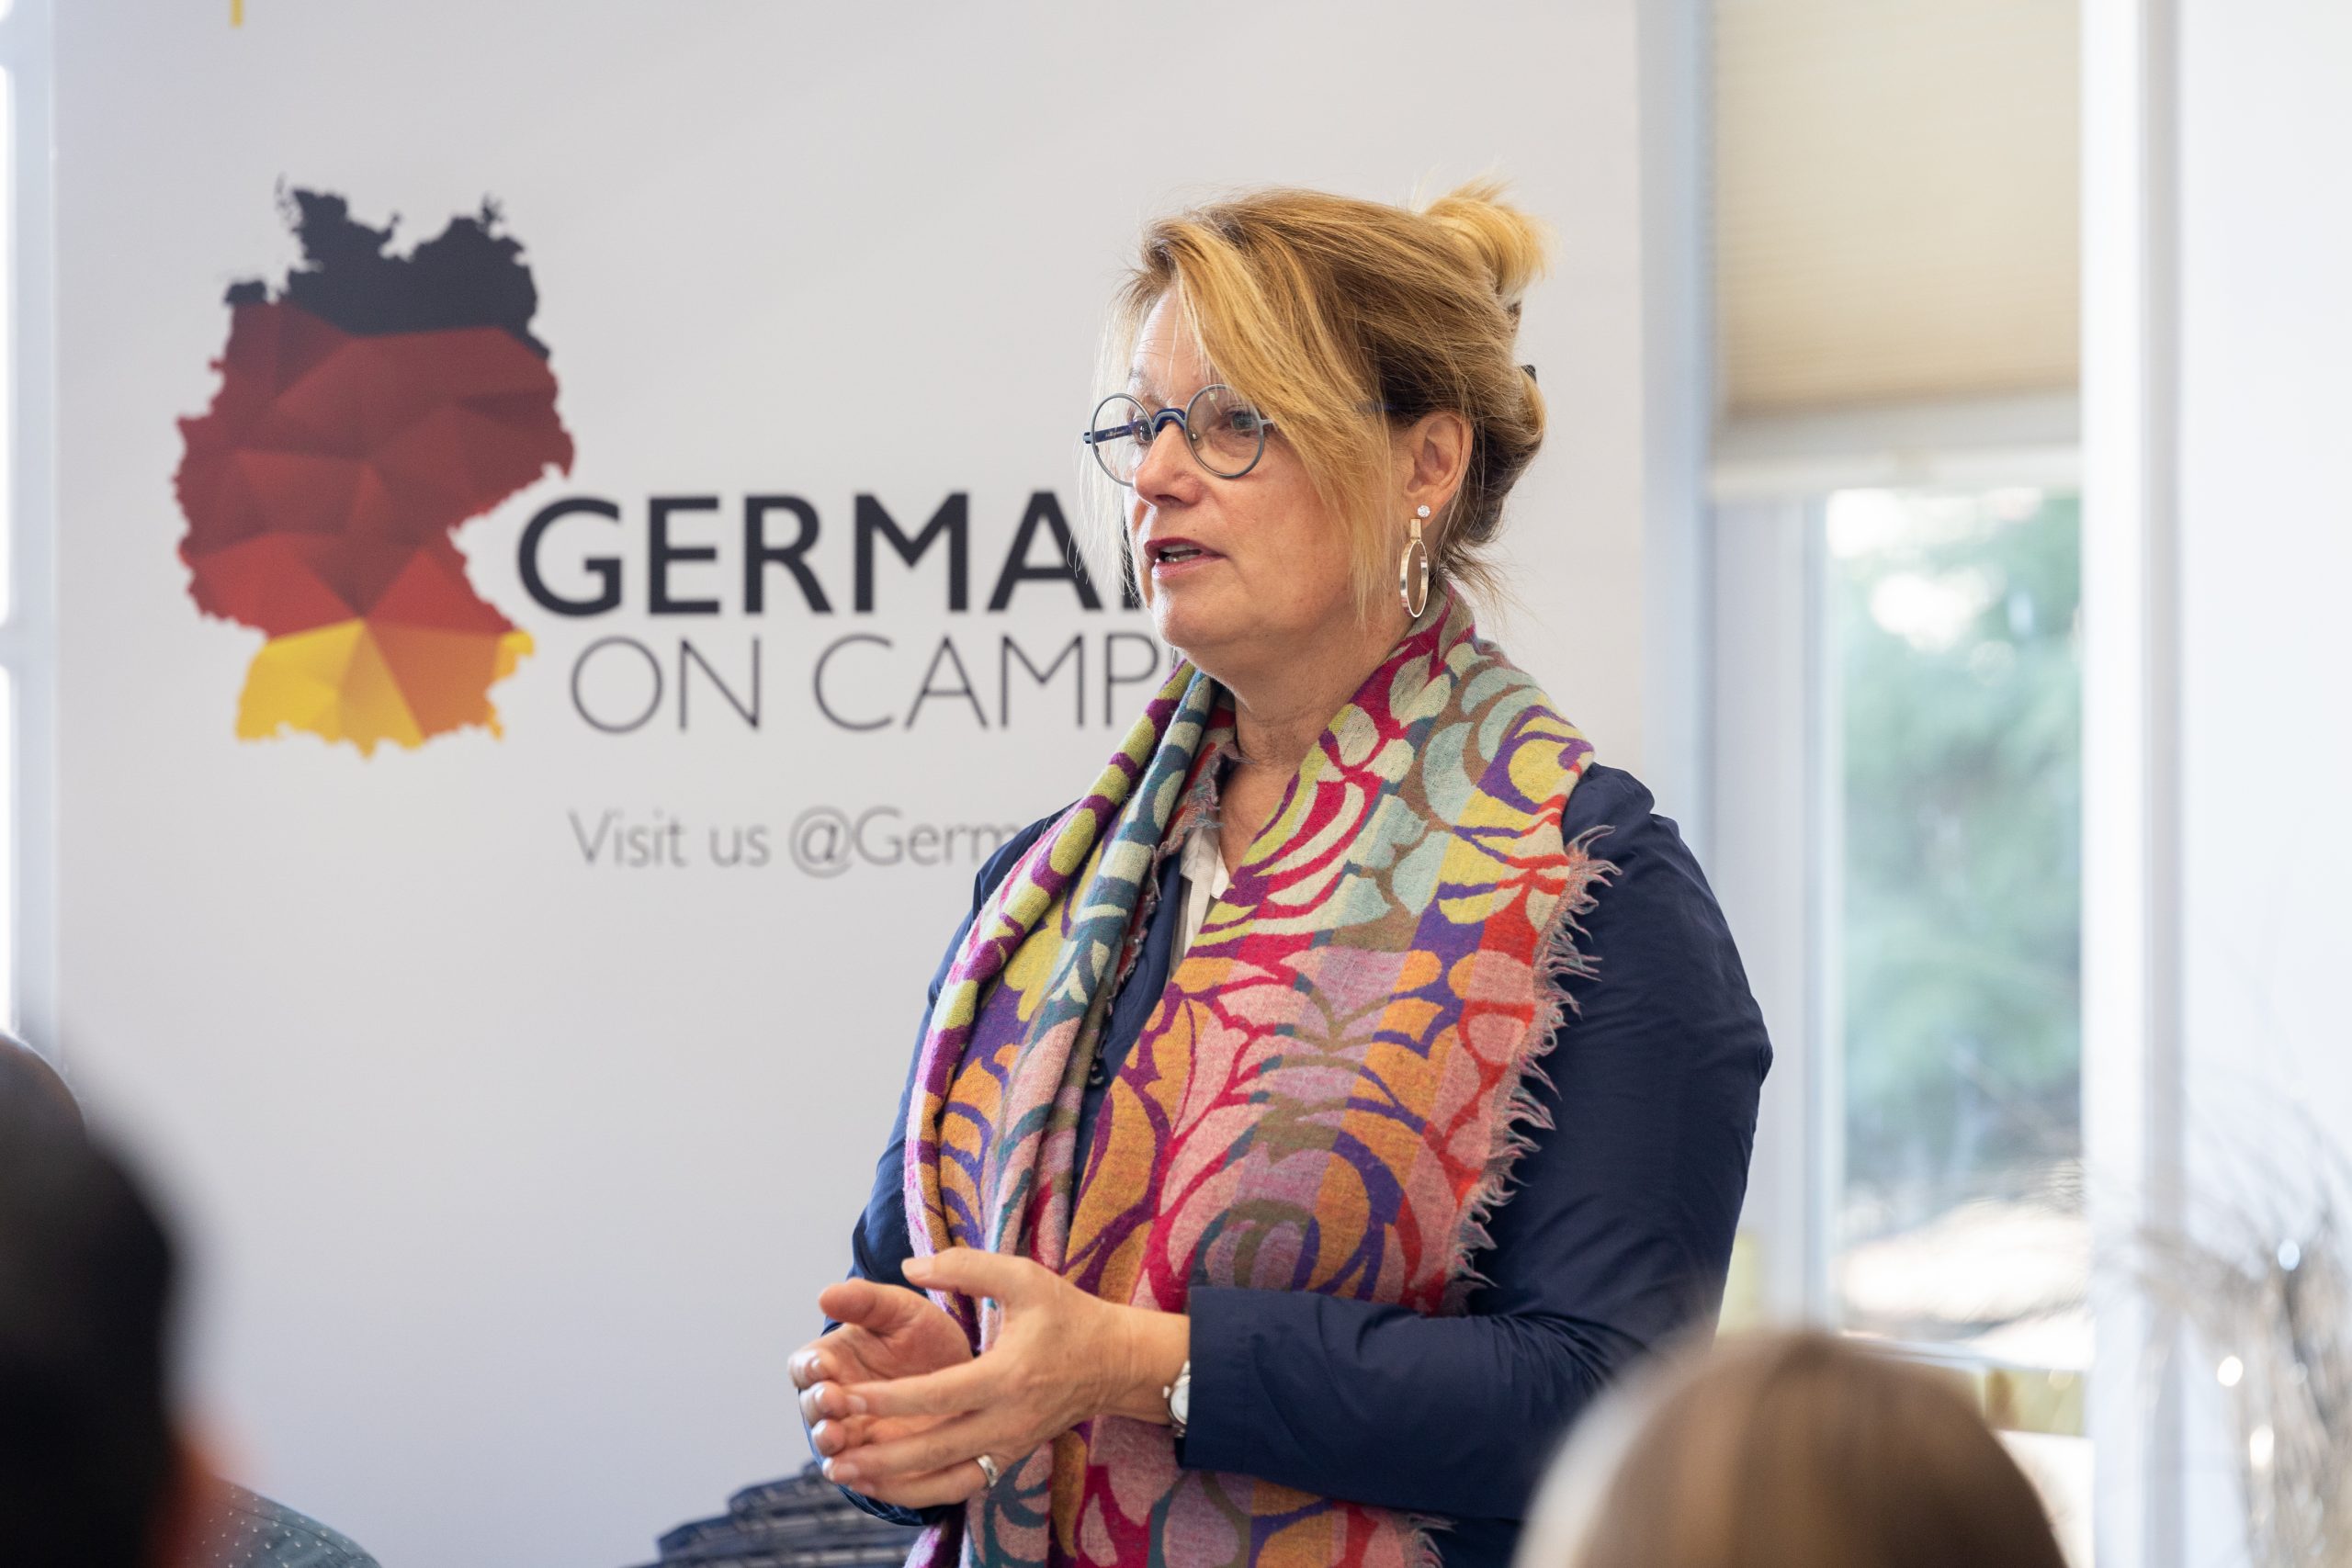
(1769, 483)
(28, 631)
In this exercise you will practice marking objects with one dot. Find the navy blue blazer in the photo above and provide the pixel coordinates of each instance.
(1617, 1235)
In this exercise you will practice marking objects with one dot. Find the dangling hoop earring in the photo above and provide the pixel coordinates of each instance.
(1409, 569)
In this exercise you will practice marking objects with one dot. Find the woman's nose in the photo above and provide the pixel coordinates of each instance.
(1166, 457)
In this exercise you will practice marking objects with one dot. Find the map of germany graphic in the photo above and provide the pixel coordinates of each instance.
(369, 408)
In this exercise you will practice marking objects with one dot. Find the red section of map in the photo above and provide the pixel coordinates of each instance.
(325, 481)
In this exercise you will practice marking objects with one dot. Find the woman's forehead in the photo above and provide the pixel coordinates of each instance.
(1168, 356)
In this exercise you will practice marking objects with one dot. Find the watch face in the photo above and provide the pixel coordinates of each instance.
(1179, 1399)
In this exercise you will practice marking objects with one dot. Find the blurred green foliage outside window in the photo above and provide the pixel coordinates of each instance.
(1955, 670)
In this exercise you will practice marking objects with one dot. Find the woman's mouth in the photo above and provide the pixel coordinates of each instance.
(1168, 553)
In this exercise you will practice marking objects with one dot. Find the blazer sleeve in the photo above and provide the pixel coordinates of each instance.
(1617, 1234)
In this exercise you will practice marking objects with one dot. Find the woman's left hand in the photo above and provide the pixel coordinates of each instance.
(1060, 1355)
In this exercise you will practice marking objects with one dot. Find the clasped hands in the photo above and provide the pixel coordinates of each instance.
(900, 1409)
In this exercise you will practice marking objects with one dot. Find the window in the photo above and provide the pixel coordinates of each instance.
(1952, 758)
(1896, 820)
(13, 649)
(27, 621)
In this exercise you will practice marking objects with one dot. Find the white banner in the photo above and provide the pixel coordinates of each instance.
(520, 1078)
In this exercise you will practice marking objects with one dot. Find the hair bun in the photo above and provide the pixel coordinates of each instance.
(1511, 247)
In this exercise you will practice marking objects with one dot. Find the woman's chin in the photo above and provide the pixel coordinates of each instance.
(1189, 629)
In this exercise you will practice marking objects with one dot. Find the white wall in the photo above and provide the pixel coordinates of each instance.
(2219, 545)
(2266, 526)
(512, 1182)
(2265, 640)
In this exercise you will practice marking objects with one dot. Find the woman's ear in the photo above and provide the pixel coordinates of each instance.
(1436, 453)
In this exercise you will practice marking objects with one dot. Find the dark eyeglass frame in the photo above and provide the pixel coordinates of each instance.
(1101, 435)
(1144, 431)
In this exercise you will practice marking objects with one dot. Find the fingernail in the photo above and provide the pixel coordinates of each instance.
(857, 1404)
(917, 1269)
(840, 1469)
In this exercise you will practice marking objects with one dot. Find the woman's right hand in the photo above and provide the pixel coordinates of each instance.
(886, 1331)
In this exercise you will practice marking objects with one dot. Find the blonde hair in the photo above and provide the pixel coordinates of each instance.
(1320, 308)
(1792, 1450)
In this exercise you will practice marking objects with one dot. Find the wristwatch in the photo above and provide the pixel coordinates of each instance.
(1179, 1395)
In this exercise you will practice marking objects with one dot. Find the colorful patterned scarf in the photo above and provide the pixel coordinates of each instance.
(1328, 1096)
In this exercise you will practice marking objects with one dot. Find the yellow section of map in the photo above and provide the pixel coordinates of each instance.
(344, 682)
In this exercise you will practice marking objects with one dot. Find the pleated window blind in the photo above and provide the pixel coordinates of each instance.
(1896, 201)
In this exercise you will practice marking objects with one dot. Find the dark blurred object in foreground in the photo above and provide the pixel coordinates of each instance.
(94, 1472)
(801, 1521)
(88, 1460)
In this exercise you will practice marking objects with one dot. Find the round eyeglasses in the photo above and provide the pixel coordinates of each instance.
(1227, 434)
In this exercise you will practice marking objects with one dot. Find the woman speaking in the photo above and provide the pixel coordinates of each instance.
(1311, 1119)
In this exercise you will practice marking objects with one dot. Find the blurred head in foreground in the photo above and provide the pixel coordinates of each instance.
(95, 1471)
(90, 1469)
(1788, 1452)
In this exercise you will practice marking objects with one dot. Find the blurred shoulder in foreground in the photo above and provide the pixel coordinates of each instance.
(243, 1529)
